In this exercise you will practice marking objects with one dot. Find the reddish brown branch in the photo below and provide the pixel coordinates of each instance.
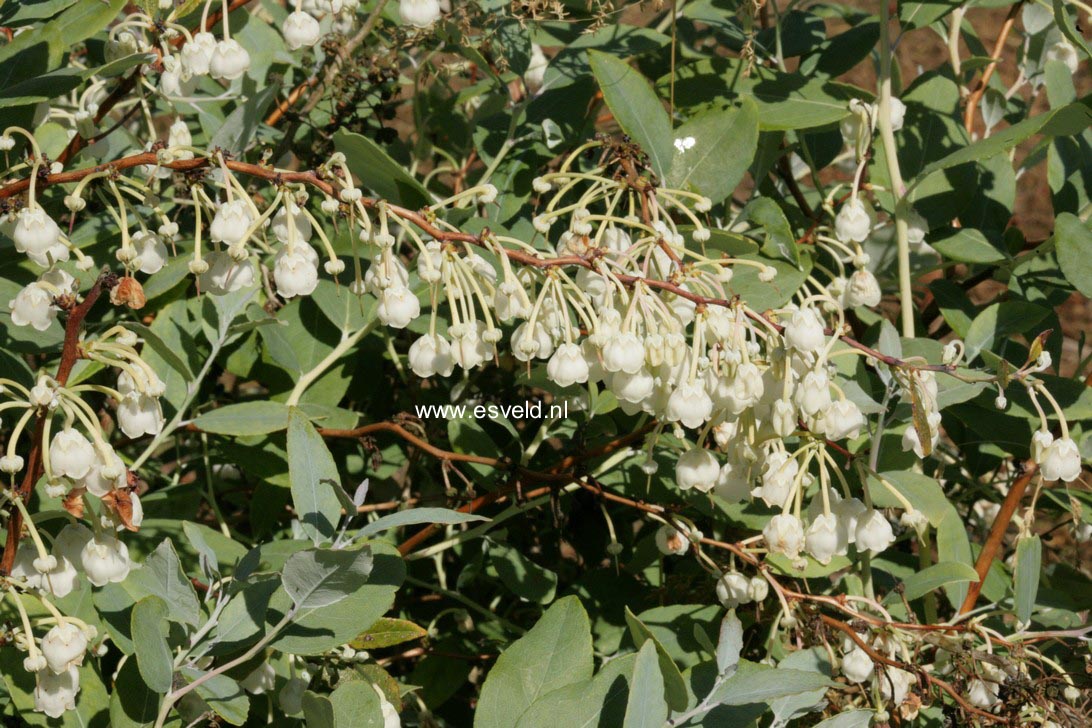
(70, 353)
(987, 72)
(920, 672)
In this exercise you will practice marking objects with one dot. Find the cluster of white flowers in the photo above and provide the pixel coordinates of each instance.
(80, 466)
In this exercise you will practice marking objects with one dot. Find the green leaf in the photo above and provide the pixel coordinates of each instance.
(923, 492)
(998, 322)
(321, 629)
(222, 694)
(1029, 557)
(313, 476)
(356, 704)
(388, 632)
(237, 131)
(936, 576)
(524, 577)
(953, 545)
(1065, 121)
(600, 702)
(379, 173)
(674, 684)
(318, 710)
(161, 575)
(321, 577)
(413, 516)
(758, 683)
(761, 295)
(730, 642)
(136, 706)
(241, 622)
(556, 652)
(153, 654)
(968, 245)
(1073, 243)
(646, 707)
(724, 143)
(245, 419)
(849, 719)
(924, 13)
(636, 107)
(780, 242)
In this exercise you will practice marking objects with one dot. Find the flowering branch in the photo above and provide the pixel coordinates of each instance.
(70, 354)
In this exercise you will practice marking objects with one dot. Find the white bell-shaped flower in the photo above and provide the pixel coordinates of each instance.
(733, 485)
(140, 414)
(230, 223)
(468, 349)
(897, 112)
(296, 273)
(229, 60)
(733, 589)
(873, 533)
(778, 477)
(783, 417)
(64, 646)
(745, 390)
(529, 342)
(842, 419)
(385, 271)
(849, 512)
(983, 693)
(759, 589)
(227, 275)
(567, 366)
(624, 353)
(398, 307)
(419, 13)
(1061, 460)
(300, 30)
(262, 678)
(895, 684)
(151, 252)
(671, 542)
(1040, 441)
(804, 330)
(697, 468)
(33, 306)
(197, 54)
(690, 404)
(56, 693)
(917, 227)
(60, 580)
(854, 221)
(105, 560)
(1062, 50)
(39, 236)
(863, 289)
(71, 454)
(813, 393)
(299, 220)
(430, 355)
(857, 666)
(633, 388)
(535, 74)
(784, 535)
(822, 540)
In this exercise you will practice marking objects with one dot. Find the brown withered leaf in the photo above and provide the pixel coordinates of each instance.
(921, 420)
(121, 503)
(73, 502)
(128, 292)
